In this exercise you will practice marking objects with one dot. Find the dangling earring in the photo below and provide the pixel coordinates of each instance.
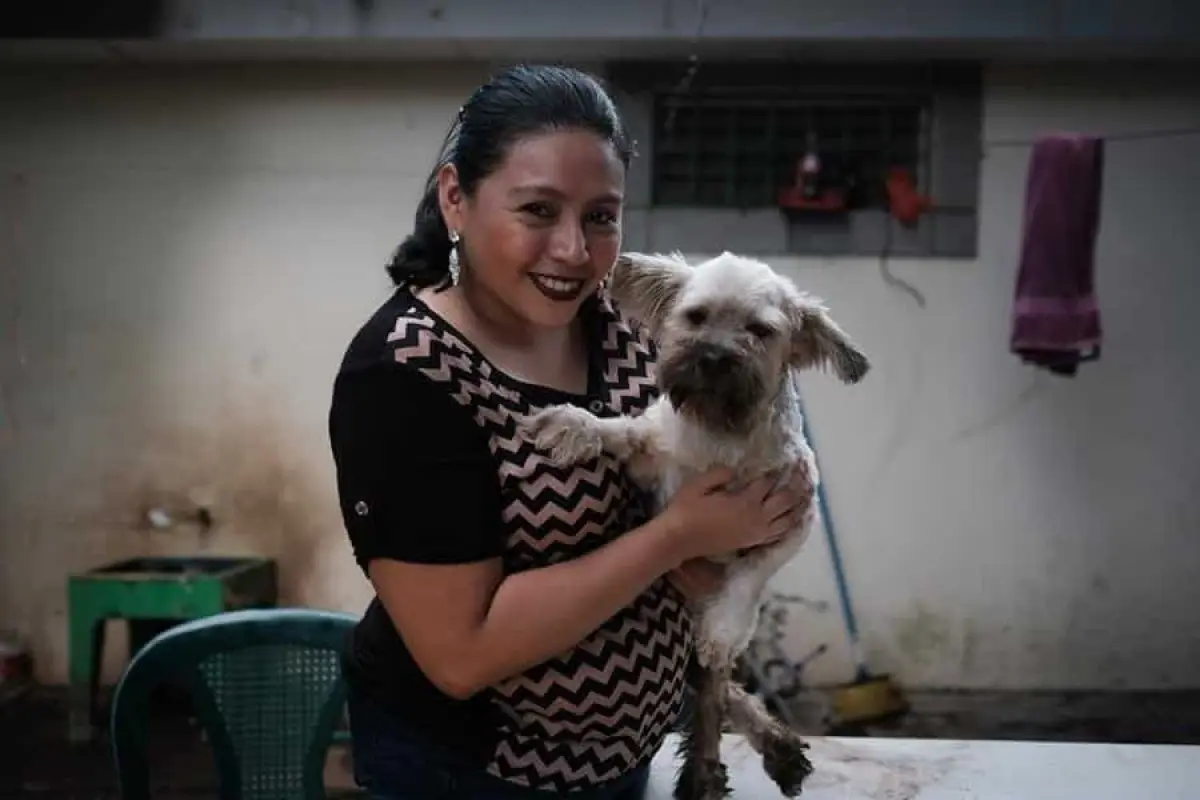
(455, 267)
(602, 287)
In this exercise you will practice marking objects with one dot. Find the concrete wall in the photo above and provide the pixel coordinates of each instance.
(454, 29)
(1004, 527)
(185, 252)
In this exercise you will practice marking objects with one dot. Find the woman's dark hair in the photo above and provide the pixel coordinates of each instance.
(518, 102)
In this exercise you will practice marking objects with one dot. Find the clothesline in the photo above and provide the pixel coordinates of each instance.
(1122, 136)
(998, 144)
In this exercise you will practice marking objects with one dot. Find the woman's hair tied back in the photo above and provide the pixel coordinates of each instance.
(520, 101)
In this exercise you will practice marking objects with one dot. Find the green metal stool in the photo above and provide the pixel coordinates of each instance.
(150, 594)
(267, 688)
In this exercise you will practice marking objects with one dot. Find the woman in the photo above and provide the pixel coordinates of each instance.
(528, 637)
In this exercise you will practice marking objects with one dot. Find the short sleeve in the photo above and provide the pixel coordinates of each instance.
(416, 480)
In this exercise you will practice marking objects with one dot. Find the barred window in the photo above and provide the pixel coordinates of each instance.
(722, 147)
(737, 147)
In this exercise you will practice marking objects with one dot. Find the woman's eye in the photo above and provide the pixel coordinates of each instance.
(602, 217)
(538, 210)
(758, 329)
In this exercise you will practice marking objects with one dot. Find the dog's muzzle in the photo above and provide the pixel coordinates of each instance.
(717, 385)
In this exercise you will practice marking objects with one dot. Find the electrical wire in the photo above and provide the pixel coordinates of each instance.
(685, 83)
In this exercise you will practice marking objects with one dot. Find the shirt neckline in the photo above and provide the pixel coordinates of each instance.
(592, 323)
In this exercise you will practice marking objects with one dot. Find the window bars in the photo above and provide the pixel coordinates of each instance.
(738, 146)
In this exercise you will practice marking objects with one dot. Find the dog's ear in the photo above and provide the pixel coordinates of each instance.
(645, 286)
(818, 341)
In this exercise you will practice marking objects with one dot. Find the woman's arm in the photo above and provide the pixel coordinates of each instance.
(421, 502)
(468, 627)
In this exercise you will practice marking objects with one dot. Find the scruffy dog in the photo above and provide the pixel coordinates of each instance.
(732, 335)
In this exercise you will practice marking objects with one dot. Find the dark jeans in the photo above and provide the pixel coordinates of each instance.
(392, 762)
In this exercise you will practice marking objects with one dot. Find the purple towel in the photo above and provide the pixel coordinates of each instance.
(1056, 321)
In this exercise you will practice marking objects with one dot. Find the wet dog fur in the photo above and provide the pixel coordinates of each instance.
(732, 335)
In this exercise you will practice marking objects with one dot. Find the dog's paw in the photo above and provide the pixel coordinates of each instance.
(702, 780)
(564, 434)
(786, 762)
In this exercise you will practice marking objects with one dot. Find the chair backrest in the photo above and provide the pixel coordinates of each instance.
(266, 686)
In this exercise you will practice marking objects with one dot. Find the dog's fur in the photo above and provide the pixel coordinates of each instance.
(731, 334)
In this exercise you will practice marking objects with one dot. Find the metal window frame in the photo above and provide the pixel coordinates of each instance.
(951, 127)
(783, 140)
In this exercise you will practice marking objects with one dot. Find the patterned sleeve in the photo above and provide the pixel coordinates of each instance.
(416, 480)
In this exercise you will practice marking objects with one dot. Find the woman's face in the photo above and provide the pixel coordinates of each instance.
(544, 229)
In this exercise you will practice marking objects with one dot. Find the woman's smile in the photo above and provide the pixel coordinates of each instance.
(563, 290)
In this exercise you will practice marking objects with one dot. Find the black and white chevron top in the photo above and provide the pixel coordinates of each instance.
(588, 715)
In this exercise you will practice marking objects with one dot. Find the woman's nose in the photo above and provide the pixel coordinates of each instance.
(568, 244)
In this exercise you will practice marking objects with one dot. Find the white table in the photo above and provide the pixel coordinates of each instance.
(936, 769)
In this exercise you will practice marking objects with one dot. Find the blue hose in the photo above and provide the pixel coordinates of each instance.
(860, 666)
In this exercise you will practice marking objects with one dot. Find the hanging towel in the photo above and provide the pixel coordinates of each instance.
(1056, 320)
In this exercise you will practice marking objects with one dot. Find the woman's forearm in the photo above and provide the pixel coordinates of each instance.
(538, 614)
(469, 626)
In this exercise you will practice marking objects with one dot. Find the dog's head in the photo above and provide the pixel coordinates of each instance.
(728, 332)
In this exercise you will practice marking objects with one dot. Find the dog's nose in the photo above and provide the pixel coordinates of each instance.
(714, 359)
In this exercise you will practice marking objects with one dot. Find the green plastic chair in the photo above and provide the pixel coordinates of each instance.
(266, 686)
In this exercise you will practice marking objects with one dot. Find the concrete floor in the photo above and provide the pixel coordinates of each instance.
(1125, 717)
(36, 761)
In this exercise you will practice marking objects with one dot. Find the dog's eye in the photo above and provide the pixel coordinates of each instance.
(696, 316)
(759, 329)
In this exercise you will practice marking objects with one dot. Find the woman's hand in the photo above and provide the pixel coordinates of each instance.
(698, 579)
(707, 519)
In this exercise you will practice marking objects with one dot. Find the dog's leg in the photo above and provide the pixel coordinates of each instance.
(782, 749)
(569, 435)
(702, 775)
(728, 620)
